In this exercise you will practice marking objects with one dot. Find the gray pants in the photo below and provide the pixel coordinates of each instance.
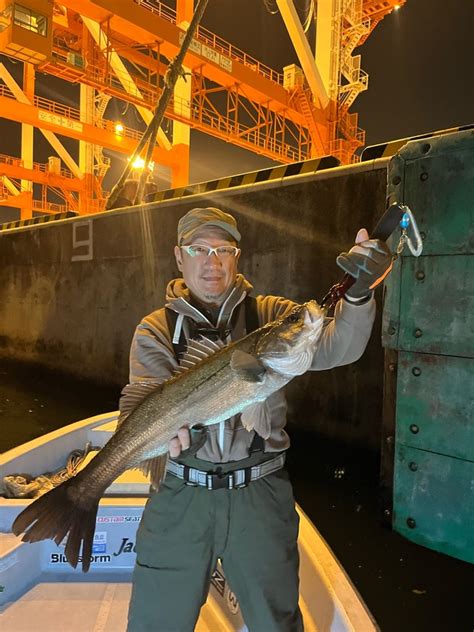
(185, 529)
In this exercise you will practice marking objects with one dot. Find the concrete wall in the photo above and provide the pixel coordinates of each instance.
(72, 292)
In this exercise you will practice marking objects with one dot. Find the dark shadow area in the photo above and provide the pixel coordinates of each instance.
(34, 401)
(406, 587)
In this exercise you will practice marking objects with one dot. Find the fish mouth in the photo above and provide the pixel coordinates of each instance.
(313, 313)
(294, 356)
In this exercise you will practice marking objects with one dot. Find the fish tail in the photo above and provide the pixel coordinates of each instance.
(56, 514)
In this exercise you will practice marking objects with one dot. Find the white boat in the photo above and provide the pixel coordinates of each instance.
(41, 592)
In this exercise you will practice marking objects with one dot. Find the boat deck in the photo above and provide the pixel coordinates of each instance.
(48, 605)
(103, 607)
(41, 592)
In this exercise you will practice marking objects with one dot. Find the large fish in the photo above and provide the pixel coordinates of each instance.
(218, 383)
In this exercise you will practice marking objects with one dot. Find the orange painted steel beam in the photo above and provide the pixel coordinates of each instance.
(96, 72)
(13, 168)
(251, 87)
(375, 11)
(52, 116)
(141, 22)
(48, 207)
(24, 202)
(8, 199)
(379, 8)
(204, 117)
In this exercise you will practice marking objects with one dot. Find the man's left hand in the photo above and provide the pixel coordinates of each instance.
(368, 261)
(182, 441)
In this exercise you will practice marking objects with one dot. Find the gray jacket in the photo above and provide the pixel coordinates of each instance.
(152, 357)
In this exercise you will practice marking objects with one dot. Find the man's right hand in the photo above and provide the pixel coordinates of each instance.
(181, 442)
(368, 261)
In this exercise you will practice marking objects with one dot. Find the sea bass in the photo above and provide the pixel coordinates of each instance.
(218, 383)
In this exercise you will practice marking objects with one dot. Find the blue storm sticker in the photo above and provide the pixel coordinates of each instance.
(100, 542)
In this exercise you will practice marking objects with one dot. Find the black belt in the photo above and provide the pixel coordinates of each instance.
(235, 479)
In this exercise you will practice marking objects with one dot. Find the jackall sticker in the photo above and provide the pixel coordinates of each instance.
(126, 546)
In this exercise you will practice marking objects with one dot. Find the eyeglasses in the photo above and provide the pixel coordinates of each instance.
(223, 252)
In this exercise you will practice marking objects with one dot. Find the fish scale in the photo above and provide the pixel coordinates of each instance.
(225, 383)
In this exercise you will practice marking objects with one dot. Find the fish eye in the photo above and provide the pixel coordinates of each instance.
(294, 317)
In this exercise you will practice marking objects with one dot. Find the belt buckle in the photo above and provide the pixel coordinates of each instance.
(247, 478)
(218, 480)
(188, 482)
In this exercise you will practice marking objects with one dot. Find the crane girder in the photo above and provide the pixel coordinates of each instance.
(233, 96)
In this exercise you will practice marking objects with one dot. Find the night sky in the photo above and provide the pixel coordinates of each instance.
(419, 60)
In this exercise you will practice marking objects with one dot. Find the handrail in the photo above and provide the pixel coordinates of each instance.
(48, 206)
(203, 117)
(216, 42)
(36, 166)
(71, 113)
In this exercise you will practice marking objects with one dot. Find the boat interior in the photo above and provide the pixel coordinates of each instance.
(41, 592)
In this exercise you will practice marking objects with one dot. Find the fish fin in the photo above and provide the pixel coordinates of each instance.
(133, 394)
(179, 371)
(56, 514)
(155, 468)
(247, 366)
(257, 417)
(212, 345)
(196, 351)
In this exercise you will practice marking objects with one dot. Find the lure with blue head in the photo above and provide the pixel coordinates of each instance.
(405, 221)
(410, 233)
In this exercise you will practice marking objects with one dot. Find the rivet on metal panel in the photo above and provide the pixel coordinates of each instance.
(413, 466)
(417, 333)
(411, 523)
(425, 148)
(396, 180)
(423, 176)
(416, 371)
(414, 429)
(391, 330)
(389, 439)
(420, 275)
(392, 366)
(387, 513)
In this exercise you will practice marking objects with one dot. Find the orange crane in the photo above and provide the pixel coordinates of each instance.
(122, 50)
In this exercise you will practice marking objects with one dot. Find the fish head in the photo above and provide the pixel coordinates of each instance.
(288, 345)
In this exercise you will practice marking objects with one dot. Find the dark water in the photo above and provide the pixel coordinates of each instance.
(406, 587)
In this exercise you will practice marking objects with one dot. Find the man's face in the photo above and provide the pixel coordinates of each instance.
(209, 279)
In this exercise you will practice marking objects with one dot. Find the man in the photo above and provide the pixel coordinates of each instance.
(196, 519)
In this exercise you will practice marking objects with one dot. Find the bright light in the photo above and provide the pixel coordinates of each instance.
(139, 163)
(119, 129)
(397, 7)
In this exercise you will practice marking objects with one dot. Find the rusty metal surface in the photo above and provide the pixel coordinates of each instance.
(435, 404)
(387, 447)
(440, 186)
(437, 305)
(429, 319)
(433, 501)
